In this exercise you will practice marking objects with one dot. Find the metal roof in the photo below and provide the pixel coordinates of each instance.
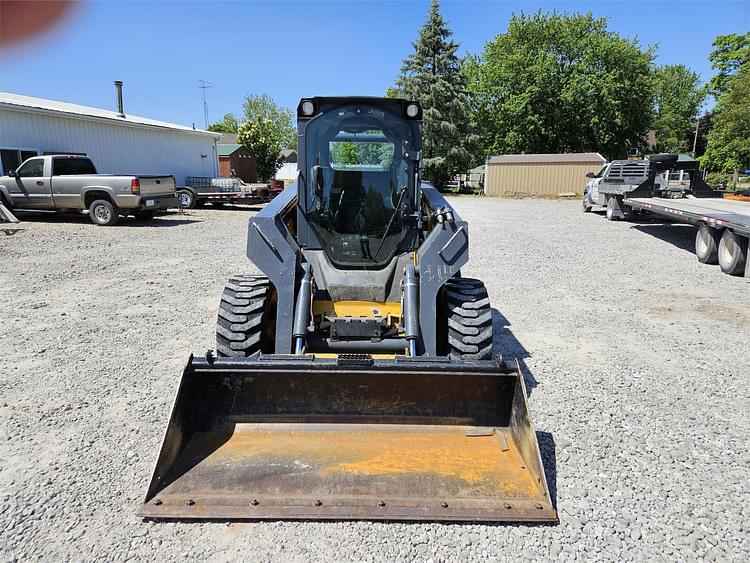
(41, 105)
(559, 158)
(226, 149)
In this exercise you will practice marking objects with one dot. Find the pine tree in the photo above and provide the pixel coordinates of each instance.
(432, 76)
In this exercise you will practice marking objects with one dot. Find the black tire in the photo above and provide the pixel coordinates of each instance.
(732, 253)
(586, 206)
(103, 212)
(707, 244)
(245, 325)
(469, 319)
(144, 215)
(186, 199)
(612, 209)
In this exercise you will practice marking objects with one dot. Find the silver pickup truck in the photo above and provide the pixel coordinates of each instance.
(67, 182)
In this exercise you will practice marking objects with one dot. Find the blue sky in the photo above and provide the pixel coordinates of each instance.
(295, 49)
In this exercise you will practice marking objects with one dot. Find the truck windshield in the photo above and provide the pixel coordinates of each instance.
(358, 206)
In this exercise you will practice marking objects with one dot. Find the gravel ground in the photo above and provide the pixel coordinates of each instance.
(635, 356)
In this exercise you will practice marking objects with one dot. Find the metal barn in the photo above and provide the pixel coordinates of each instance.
(117, 143)
(539, 174)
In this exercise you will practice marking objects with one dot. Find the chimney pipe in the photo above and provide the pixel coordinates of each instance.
(118, 91)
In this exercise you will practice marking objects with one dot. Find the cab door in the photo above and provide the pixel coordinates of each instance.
(594, 186)
(31, 187)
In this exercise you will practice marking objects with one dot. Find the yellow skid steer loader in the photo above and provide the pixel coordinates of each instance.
(355, 378)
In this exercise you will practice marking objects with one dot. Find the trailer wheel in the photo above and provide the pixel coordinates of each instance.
(612, 209)
(246, 322)
(707, 244)
(103, 212)
(732, 253)
(467, 333)
(186, 198)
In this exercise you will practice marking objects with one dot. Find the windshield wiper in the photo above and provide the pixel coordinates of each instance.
(390, 222)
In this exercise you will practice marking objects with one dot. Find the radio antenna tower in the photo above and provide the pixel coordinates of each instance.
(203, 85)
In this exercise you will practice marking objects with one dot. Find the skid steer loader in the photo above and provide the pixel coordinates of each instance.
(355, 379)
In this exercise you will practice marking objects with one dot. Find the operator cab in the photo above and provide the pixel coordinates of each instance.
(359, 162)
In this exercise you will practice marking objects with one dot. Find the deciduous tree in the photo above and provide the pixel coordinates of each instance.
(263, 108)
(562, 83)
(678, 98)
(227, 125)
(261, 137)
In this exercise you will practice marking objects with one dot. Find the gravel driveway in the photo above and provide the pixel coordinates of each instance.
(635, 355)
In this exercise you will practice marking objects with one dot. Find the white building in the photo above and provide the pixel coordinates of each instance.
(117, 143)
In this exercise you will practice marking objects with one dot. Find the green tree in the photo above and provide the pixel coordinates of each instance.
(562, 83)
(261, 137)
(729, 141)
(263, 108)
(730, 53)
(227, 125)
(677, 102)
(432, 76)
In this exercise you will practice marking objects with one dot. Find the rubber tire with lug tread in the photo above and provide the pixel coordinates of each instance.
(103, 212)
(144, 215)
(469, 319)
(242, 327)
(707, 244)
(732, 253)
(186, 199)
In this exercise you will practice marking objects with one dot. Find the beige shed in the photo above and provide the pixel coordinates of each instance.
(539, 174)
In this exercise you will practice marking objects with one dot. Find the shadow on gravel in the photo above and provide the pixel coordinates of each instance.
(80, 218)
(548, 449)
(681, 236)
(231, 207)
(507, 345)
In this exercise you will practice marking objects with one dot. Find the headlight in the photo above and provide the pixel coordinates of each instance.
(412, 110)
(308, 108)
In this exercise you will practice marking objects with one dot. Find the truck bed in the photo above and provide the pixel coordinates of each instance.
(713, 211)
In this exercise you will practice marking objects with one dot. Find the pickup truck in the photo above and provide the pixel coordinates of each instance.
(68, 182)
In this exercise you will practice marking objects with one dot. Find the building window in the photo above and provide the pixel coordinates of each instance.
(12, 158)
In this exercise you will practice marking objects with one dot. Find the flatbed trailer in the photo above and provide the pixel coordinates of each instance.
(723, 226)
(200, 190)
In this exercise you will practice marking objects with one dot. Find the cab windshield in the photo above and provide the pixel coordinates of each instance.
(358, 184)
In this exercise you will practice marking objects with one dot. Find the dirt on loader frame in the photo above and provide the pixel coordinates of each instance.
(300, 437)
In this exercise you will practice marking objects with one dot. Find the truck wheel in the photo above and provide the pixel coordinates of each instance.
(186, 199)
(144, 214)
(469, 319)
(732, 253)
(245, 325)
(611, 205)
(707, 244)
(102, 212)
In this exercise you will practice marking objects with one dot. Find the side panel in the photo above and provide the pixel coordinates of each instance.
(440, 257)
(272, 248)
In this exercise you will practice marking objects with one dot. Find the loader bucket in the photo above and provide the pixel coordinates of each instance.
(299, 437)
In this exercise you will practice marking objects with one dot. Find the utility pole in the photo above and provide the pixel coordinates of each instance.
(203, 85)
(695, 139)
